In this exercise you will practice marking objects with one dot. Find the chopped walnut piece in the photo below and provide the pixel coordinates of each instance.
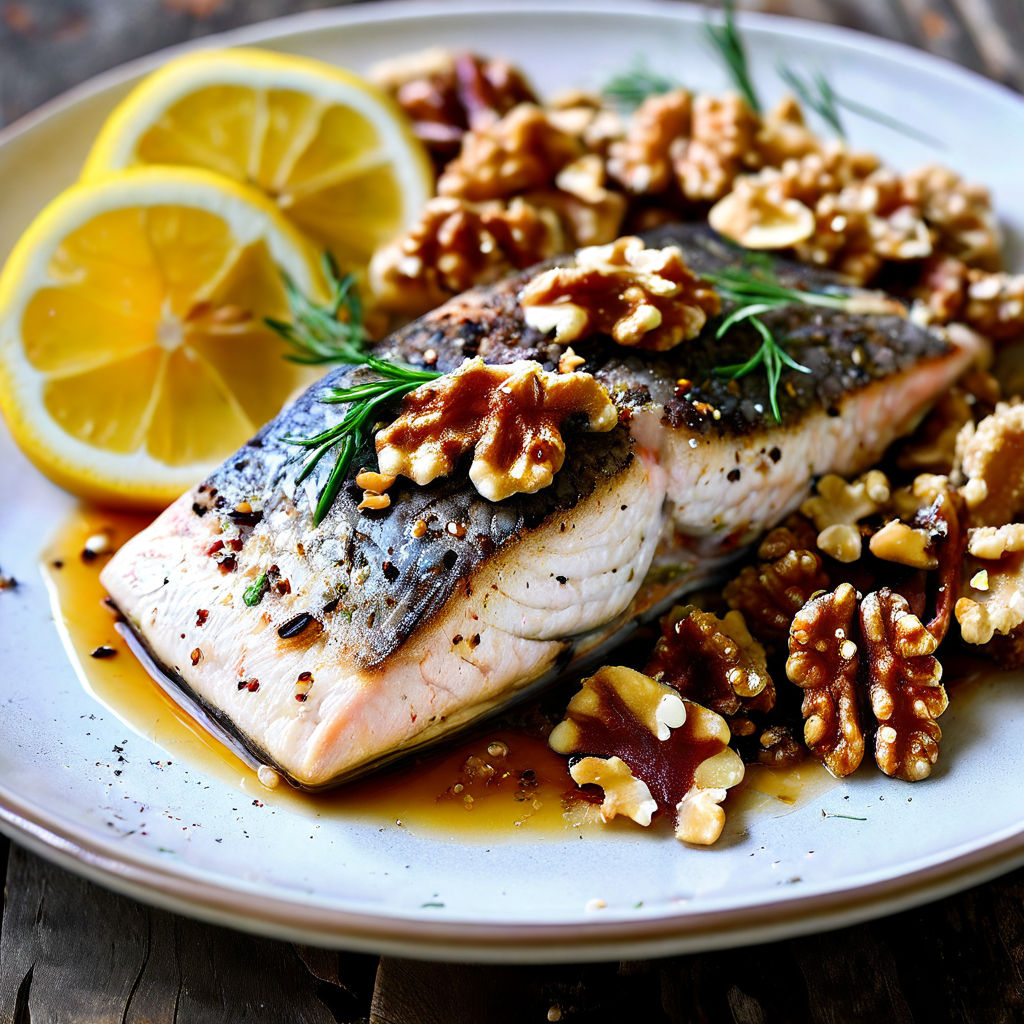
(991, 542)
(755, 215)
(722, 144)
(510, 416)
(646, 298)
(711, 661)
(904, 686)
(455, 245)
(770, 594)
(995, 304)
(524, 150)
(991, 457)
(779, 748)
(823, 660)
(960, 214)
(784, 134)
(445, 94)
(796, 533)
(898, 542)
(641, 161)
(678, 749)
(838, 507)
(997, 610)
(588, 118)
(623, 793)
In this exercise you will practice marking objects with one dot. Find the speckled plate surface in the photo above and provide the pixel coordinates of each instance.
(207, 850)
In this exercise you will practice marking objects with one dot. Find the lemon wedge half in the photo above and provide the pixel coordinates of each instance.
(134, 355)
(333, 152)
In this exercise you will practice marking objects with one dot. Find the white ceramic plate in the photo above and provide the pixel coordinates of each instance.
(169, 836)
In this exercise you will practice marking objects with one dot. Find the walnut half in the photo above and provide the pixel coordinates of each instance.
(646, 298)
(510, 416)
(823, 660)
(904, 686)
(640, 741)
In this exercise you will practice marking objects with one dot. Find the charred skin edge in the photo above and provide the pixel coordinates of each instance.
(845, 351)
(408, 580)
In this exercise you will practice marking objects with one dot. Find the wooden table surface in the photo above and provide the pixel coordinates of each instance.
(72, 952)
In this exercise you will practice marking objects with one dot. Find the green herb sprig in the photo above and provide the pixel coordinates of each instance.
(366, 403)
(755, 292)
(630, 88)
(331, 333)
(726, 39)
(815, 91)
(334, 333)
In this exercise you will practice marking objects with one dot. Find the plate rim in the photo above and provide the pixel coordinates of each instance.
(399, 933)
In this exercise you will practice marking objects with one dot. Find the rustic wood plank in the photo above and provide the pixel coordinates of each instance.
(73, 952)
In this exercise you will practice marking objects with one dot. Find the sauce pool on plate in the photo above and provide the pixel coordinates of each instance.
(500, 779)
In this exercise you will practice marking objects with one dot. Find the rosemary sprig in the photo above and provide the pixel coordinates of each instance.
(726, 39)
(366, 404)
(816, 92)
(332, 333)
(755, 292)
(630, 88)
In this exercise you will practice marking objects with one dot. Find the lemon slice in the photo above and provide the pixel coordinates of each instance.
(134, 356)
(334, 153)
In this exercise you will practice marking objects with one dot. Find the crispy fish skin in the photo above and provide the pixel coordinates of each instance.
(375, 636)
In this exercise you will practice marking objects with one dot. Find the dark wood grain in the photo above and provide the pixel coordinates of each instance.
(72, 952)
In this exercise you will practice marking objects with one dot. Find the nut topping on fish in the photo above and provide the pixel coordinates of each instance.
(441, 607)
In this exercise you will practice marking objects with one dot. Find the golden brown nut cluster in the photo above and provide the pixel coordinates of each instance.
(456, 245)
(903, 685)
(642, 161)
(646, 298)
(510, 417)
(837, 508)
(650, 750)
(522, 151)
(446, 94)
(991, 458)
(712, 661)
(770, 593)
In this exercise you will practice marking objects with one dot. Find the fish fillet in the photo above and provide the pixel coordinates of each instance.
(377, 636)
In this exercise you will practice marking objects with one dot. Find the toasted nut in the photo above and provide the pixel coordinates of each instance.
(623, 794)
(991, 457)
(677, 749)
(771, 593)
(641, 161)
(522, 151)
(991, 542)
(510, 416)
(822, 664)
(711, 661)
(904, 686)
(378, 483)
(841, 504)
(642, 297)
(757, 219)
(897, 542)
(375, 502)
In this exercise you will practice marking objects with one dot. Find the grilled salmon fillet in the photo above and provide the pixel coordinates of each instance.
(381, 632)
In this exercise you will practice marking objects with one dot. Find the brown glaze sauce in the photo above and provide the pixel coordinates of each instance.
(502, 780)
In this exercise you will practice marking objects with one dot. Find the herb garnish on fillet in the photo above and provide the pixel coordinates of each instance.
(755, 292)
(318, 336)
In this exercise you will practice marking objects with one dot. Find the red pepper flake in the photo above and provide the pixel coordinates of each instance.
(300, 697)
(252, 685)
(235, 543)
(201, 616)
(283, 587)
(196, 656)
(457, 639)
(229, 564)
(217, 545)
(103, 652)
(305, 677)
